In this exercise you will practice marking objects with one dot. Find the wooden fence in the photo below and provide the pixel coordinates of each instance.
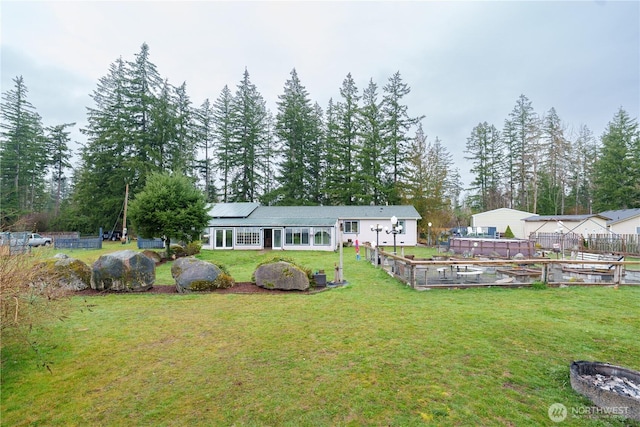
(627, 244)
(445, 272)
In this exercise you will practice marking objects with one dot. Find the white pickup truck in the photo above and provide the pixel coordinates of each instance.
(37, 240)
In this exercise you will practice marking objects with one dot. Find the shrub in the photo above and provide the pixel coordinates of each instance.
(27, 301)
(193, 248)
(508, 233)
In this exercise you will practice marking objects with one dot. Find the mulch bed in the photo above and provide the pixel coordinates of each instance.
(239, 288)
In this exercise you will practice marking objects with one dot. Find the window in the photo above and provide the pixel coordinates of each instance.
(351, 227)
(247, 236)
(322, 237)
(296, 236)
(224, 238)
(403, 223)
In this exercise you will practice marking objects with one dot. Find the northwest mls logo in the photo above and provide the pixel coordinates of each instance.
(557, 412)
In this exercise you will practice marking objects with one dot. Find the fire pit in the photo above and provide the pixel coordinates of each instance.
(608, 386)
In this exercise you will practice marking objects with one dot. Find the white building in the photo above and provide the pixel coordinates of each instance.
(624, 221)
(500, 219)
(254, 227)
(577, 224)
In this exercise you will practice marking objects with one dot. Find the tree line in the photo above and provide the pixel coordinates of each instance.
(363, 147)
(539, 165)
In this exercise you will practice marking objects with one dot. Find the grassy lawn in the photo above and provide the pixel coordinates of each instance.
(372, 353)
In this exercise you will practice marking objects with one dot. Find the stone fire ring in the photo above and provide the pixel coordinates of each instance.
(581, 374)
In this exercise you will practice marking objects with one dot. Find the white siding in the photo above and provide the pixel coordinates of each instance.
(629, 226)
(501, 219)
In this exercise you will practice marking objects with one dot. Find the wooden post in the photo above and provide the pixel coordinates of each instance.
(124, 218)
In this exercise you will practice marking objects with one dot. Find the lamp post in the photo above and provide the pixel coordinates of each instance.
(429, 233)
(395, 230)
(378, 228)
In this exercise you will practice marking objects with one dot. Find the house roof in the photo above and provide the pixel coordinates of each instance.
(570, 218)
(264, 216)
(337, 212)
(514, 211)
(620, 215)
(232, 210)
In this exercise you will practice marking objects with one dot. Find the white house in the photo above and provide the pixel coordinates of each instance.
(625, 221)
(500, 219)
(578, 224)
(254, 227)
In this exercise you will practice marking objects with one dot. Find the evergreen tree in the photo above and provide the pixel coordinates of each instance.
(341, 179)
(315, 168)
(373, 151)
(485, 150)
(584, 152)
(269, 162)
(521, 137)
(182, 151)
(205, 134)
(616, 171)
(223, 133)
(58, 147)
(143, 84)
(139, 124)
(104, 168)
(170, 206)
(294, 129)
(249, 129)
(23, 155)
(396, 126)
(556, 149)
(432, 186)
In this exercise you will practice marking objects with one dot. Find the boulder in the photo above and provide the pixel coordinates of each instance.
(192, 274)
(64, 272)
(123, 271)
(281, 275)
(155, 256)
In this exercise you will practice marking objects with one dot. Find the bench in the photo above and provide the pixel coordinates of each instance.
(467, 270)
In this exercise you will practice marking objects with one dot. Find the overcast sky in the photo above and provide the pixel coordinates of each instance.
(465, 62)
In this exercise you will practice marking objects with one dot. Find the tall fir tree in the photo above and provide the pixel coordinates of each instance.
(521, 137)
(249, 130)
(371, 157)
(616, 171)
(485, 150)
(23, 155)
(58, 146)
(431, 185)
(341, 180)
(223, 134)
(555, 165)
(396, 127)
(316, 167)
(294, 129)
(205, 137)
(584, 152)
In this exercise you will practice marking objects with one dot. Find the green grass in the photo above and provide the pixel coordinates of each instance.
(372, 353)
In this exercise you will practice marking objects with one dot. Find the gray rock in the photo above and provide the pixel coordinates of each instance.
(61, 255)
(64, 272)
(123, 271)
(193, 274)
(155, 256)
(281, 275)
